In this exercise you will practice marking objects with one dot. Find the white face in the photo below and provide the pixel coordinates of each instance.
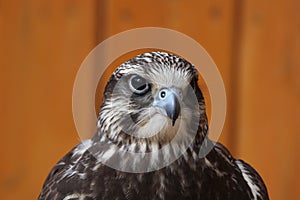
(162, 105)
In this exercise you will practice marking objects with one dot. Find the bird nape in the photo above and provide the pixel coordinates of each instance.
(151, 142)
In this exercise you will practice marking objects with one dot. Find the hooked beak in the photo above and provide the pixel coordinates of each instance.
(167, 99)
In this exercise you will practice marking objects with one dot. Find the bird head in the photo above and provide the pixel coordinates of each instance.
(151, 98)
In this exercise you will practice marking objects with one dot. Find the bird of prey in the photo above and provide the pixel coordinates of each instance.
(147, 105)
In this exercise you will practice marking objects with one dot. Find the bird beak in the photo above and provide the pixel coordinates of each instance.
(167, 99)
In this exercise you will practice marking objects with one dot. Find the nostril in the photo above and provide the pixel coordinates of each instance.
(180, 93)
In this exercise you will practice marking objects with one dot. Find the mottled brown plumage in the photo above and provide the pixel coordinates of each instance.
(149, 102)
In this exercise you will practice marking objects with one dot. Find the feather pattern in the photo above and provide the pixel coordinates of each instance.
(84, 174)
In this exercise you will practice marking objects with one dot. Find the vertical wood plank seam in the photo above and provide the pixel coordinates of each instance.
(238, 8)
(100, 25)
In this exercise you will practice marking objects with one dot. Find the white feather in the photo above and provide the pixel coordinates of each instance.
(254, 188)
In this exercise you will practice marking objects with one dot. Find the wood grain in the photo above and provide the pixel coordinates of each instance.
(255, 45)
(269, 94)
(42, 46)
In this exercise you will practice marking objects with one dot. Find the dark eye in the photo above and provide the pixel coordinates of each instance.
(138, 85)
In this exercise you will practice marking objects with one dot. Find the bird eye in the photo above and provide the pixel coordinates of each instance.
(138, 85)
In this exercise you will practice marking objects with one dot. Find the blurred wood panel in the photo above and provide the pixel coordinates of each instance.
(270, 94)
(211, 23)
(255, 44)
(42, 46)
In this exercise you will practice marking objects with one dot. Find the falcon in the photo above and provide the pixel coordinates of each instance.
(152, 142)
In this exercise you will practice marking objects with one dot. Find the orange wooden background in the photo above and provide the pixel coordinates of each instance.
(255, 44)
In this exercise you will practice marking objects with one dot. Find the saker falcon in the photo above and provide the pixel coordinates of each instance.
(147, 105)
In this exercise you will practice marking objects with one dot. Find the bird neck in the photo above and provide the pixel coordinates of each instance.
(111, 131)
(191, 131)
